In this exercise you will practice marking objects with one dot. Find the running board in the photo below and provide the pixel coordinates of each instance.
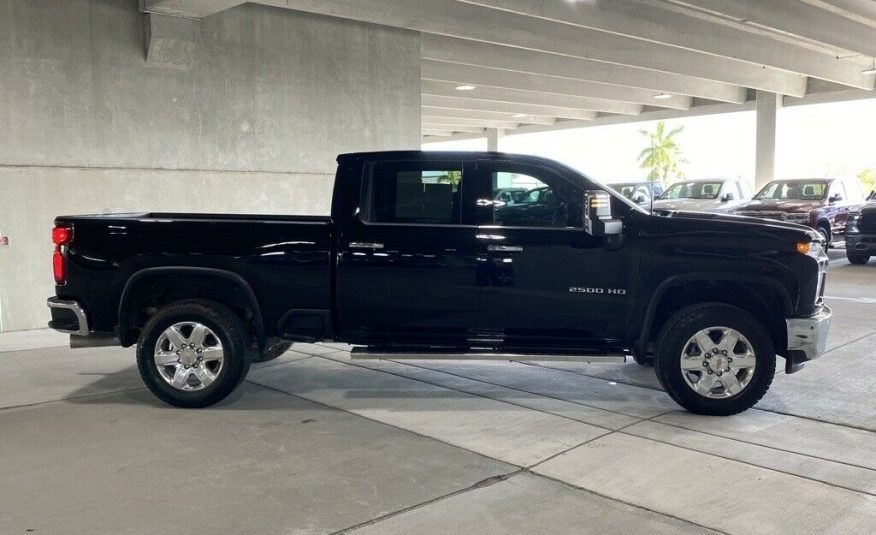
(364, 353)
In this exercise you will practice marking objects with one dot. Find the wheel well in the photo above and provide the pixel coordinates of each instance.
(758, 299)
(146, 294)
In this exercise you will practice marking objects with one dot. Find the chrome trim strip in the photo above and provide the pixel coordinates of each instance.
(365, 245)
(54, 302)
(362, 353)
(809, 335)
(499, 248)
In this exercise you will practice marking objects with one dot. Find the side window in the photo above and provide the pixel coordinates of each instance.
(415, 192)
(853, 189)
(836, 188)
(544, 200)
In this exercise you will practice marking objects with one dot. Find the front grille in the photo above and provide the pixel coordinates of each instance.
(778, 216)
(867, 223)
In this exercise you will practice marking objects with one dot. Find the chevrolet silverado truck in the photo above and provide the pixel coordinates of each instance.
(417, 260)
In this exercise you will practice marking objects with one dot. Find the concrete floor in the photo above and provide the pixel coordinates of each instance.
(315, 443)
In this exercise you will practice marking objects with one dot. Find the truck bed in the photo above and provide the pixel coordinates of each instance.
(286, 260)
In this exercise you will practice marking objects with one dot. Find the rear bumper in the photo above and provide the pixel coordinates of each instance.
(68, 316)
(807, 338)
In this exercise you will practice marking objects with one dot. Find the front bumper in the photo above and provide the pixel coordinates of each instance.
(807, 338)
(861, 243)
(68, 317)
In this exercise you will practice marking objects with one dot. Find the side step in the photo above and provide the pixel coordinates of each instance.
(367, 353)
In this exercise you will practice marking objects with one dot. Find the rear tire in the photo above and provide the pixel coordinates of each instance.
(857, 259)
(193, 353)
(723, 377)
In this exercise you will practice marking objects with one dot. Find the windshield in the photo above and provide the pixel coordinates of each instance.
(692, 190)
(782, 190)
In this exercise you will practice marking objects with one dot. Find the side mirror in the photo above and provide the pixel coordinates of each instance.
(836, 197)
(728, 197)
(597, 214)
(639, 199)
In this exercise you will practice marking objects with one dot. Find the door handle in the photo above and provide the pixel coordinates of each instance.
(499, 248)
(365, 245)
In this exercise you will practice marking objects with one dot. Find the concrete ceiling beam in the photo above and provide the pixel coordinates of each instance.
(487, 115)
(798, 18)
(479, 23)
(457, 103)
(500, 94)
(653, 27)
(468, 52)
(193, 9)
(468, 121)
(483, 76)
(441, 127)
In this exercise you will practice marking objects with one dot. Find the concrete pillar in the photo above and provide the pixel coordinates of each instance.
(494, 136)
(768, 105)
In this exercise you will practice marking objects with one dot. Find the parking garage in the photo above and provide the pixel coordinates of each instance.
(224, 106)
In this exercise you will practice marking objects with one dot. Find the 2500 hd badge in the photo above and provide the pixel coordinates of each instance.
(610, 291)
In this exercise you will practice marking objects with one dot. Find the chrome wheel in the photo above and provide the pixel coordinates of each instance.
(189, 356)
(718, 362)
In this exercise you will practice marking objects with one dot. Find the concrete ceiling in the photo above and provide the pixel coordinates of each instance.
(530, 65)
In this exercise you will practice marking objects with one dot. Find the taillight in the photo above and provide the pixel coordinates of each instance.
(58, 267)
(61, 237)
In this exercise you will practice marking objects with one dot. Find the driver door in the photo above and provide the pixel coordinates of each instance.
(544, 281)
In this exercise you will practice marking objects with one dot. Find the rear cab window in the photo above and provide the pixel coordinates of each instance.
(426, 193)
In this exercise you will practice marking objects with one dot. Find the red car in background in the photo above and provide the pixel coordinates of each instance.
(821, 203)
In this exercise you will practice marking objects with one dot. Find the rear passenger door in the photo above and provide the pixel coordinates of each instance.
(407, 262)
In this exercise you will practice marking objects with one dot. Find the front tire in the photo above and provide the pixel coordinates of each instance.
(825, 233)
(857, 259)
(193, 353)
(715, 359)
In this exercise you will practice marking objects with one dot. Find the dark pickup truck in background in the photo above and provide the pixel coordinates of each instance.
(861, 232)
(417, 260)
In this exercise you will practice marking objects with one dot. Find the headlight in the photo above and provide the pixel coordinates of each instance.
(852, 223)
(813, 249)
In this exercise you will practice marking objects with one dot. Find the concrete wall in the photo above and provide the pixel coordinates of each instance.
(243, 111)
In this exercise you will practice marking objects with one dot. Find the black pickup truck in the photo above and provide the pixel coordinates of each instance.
(420, 260)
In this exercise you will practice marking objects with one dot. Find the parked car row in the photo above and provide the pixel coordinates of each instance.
(834, 207)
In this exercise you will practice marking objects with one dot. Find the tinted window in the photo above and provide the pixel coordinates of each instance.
(415, 192)
(793, 189)
(692, 190)
(547, 201)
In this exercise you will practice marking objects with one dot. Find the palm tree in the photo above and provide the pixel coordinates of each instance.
(662, 157)
(450, 177)
(868, 179)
